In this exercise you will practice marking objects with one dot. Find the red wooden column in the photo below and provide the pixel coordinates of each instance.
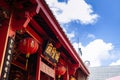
(38, 65)
(6, 31)
(3, 42)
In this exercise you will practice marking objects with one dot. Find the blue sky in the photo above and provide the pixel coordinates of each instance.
(94, 25)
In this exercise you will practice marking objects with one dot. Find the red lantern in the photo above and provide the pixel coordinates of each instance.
(28, 46)
(61, 70)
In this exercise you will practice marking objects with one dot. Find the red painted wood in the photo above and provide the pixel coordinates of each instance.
(19, 20)
(4, 4)
(58, 45)
(3, 43)
(38, 67)
(34, 35)
(11, 33)
(38, 27)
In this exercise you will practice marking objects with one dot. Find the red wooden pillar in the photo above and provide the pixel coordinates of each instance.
(67, 73)
(4, 29)
(38, 66)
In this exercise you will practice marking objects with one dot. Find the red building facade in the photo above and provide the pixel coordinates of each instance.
(33, 45)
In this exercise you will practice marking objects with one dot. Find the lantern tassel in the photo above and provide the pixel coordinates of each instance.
(27, 56)
(59, 76)
(26, 64)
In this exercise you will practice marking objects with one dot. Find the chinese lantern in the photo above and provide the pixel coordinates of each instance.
(61, 70)
(28, 46)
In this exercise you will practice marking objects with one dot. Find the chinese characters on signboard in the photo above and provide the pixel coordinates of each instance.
(52, 53)
(7, 59)
(46, 69)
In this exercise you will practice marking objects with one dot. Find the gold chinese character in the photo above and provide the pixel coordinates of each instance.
(32, 44)
(49, 48)
(53, 52)
(57, 56)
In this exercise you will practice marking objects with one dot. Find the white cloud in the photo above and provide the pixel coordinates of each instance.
(116, 63)
(91, 36)
(73, 10)
(70, 35)
(96, 51)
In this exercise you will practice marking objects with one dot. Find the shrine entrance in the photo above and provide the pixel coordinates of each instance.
(33, 46)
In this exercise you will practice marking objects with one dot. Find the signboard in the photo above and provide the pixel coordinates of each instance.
(46, 69)
(7, 59)
(52, 53)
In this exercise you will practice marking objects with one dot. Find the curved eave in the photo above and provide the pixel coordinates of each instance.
(55, 27)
